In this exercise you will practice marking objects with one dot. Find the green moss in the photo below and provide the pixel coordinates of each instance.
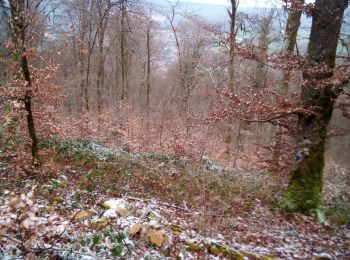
(338, 210)
(228, 253)
(58, 199)
(193, 246)
(223, 251)
(304, 193)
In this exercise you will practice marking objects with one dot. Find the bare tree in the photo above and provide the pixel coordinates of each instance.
(232, 42)
(290, 41)
(103, 9)
(263, 44)
(21, 42)
(233, 33)
(123, 50)
(290, 37)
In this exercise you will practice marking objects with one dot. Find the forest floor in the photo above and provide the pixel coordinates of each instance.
(90, 202)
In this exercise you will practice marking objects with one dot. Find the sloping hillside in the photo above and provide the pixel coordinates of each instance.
(91, 202)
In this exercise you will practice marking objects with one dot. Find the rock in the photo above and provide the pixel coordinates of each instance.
(154, 224)
(157, 238)
(45, 192)
(193, 246)
(47, 187)
(83, 215)
(144, 229)
(122, 207)
(134, 229)
(123, 212)
(110, 213)
(152, 214)
(63, 178)
(99, 223)
(323, 256)
(57, 199)
(220, 250)
(58, 183)
(49, 209)
(176, 228)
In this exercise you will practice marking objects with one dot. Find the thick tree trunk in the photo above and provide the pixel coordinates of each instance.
(304, 192)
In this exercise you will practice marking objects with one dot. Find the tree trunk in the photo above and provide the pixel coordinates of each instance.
(123, 58)
(82, 62)
(28, 108)
(20, 41)
(91, 43)
(290, 39)
(103, 20)
(100, 76)
(304, 193)
(148, 41)
(232, 14)
(264, 42)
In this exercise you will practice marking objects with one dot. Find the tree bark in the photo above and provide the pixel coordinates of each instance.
(91, 44)
(290, 39)
(20, 42)
(103, 20)
(123, 57)
(232, 14)
(148, 91)
(264, 42)
(304, 193)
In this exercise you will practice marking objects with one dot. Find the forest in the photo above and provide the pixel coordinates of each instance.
(168, 129)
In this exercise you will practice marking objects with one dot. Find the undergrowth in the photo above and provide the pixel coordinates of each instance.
(175, 179)
(338, 211)
(194, 183)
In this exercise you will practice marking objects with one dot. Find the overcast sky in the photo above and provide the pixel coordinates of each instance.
(242, 3)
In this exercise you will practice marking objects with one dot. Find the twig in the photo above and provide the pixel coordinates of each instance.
(68, 250)
(17, 182)
(161, 203)
(125, 244)
(11, 238)
(51, 248)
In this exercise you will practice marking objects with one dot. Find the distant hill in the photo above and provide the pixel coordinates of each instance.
(217, 14)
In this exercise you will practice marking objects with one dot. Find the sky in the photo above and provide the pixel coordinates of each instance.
(242, 3)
